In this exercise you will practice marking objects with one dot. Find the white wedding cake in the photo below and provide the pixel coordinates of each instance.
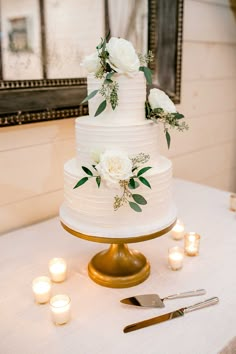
(125, 185)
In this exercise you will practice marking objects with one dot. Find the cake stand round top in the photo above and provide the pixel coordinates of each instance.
(75, 228)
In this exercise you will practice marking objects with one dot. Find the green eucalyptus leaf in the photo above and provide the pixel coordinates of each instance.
(108, 81)
(143, 170)
(81, 182)
(133, 184)
(87, 171)
(139, 199)
(144, 181)
(135, 207)
(168, 139)
(98, 180)
(94, 166)
(108, 35)
(101, 108)
(91, 95)
(109, 75)
(147, 73)
(178, 115)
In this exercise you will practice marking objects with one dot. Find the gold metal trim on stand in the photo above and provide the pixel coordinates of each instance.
(116, 239)
(118, 267)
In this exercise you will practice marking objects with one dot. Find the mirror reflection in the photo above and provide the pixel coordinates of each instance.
(48, 38)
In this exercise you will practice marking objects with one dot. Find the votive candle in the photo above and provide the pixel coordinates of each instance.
(175, 257)
(233, 202)
(60, 309)
(178, 230)
(41, 287)
(57, 269)
(191, 243)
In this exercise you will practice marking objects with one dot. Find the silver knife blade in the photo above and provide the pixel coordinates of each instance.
(170, 315)
(154, 320)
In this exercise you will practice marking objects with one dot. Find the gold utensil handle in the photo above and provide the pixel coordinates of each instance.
(200, 305)
(187, 294)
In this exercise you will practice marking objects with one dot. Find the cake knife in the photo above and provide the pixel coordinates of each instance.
(171, 315)
(154, 300)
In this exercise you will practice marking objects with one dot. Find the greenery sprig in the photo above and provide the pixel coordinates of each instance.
(169, 120)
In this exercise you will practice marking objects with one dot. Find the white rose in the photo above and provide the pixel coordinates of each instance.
(122, 56)
(114, 166)
(91, 63)
(159, 99)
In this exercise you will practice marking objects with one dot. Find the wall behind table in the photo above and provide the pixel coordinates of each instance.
(207, 152)
(32, 156)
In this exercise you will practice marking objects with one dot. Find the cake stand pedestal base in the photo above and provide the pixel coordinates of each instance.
(118, 267)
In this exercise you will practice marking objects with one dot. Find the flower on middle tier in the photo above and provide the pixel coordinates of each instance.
(159, 99)
(114, 166)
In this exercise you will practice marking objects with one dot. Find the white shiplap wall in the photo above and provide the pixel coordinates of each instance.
(32, 157)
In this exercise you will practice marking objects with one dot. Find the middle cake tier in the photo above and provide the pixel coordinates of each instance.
(95, 135)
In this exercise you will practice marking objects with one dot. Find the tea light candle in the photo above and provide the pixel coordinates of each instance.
(178, 230)
(175, 258)
(60, 309)
(233, 202)
(191, 243)
(42, 289)
(57, 269)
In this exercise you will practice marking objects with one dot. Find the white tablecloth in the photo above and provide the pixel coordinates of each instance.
(98, 317)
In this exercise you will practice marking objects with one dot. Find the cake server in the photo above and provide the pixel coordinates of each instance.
(154, 300)
(169, 316)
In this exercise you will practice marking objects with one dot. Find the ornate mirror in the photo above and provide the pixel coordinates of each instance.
(42, 43)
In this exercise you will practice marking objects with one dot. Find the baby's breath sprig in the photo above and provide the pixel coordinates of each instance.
(146, 58)
(134, 200)
(109, 91)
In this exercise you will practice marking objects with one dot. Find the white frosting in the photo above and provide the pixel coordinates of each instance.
(90, 210)
(93, 136)
(132, 97)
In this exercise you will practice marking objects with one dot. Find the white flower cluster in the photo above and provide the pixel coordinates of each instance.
(159, 99)
(114, 166)
(122, 57)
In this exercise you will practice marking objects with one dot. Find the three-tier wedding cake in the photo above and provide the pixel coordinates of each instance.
(119, 185)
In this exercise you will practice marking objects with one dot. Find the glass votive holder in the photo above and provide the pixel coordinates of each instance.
(60, 309)
(191, 243)
(57, 269)
(177, 232)
(41, 287)
(232, 202)
(175, 257)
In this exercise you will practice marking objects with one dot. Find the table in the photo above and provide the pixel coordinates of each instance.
(97, 315)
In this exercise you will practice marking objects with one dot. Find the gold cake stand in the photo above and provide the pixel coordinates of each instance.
(118, 266)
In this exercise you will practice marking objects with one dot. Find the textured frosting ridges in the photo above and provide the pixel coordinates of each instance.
(132, 96)
(93, 207)
(95, 136)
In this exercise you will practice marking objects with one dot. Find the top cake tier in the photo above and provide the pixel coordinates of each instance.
(131, 103)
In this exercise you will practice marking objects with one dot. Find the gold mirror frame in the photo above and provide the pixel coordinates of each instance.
(48, 99)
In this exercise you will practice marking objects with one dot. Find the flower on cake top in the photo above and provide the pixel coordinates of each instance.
(116, 56)
(114, 166)
(159, 99)
(92, 63)
(122, 56)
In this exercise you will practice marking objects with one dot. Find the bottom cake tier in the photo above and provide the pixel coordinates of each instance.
(90, 211)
